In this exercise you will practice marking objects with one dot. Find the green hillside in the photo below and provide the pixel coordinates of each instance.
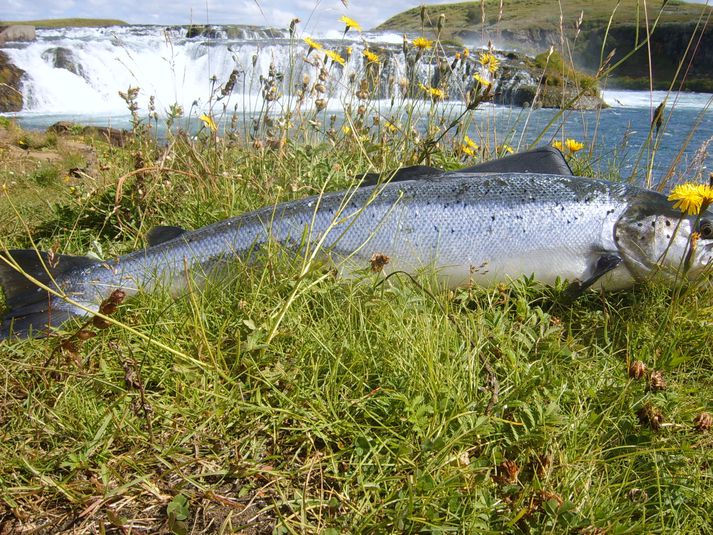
(544, 14)
(593, 30)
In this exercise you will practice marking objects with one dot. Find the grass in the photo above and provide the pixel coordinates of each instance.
(67, 22)
(523, 15)
(279, 401)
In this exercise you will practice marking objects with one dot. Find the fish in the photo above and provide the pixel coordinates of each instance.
(468, 228)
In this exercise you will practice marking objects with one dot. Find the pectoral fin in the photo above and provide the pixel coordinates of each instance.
(604, 264)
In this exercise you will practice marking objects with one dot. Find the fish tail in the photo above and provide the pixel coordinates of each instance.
(31, 311)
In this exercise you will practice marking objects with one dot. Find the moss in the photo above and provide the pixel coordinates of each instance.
(10, 79)
(559, 73)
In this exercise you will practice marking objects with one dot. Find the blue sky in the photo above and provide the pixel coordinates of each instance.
(317, 16)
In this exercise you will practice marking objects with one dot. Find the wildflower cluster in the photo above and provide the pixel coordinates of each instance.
(570, 146)
(469, 147)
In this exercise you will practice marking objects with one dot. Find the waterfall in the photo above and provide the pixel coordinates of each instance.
(82, 70)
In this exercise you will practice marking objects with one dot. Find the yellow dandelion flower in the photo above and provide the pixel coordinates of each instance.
(489, 61)
(505, 148)
(573, 145)
(467, 150)
(350, 24)
(370, 56)
(470, 143)
(457, 55)
(433, 92)
(482, 81)
(691, 198)
(422, 43)
(558, 145)
(346, 130)
(208, 122)
(348, 51)
(391, 127)
(313, 45)
(466, 53)
(335, 57)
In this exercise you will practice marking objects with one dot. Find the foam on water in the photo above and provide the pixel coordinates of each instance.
(622, 98)
(164, 64)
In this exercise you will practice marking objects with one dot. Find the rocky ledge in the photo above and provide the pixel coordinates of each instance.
(17, 32)
(10, 85)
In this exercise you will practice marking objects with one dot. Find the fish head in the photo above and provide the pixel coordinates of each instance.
(657, 241)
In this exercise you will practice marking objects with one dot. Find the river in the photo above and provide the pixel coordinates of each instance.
(75, 74)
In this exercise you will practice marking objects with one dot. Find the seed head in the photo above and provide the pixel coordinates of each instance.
(656, 381)
(703, 421)
(637, 495)
(650, 416)
(637, 369)
(378, 262)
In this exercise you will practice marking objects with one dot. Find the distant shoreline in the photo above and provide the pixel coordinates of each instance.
(64, 23)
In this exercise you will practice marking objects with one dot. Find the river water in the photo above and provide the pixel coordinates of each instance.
(97, 63)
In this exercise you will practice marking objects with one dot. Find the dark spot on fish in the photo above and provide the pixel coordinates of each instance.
(562, 207)
(639, 225)
(653, 224)
(492, 218)
(610, 211)
(668, 223)
(668, 236)
(435, 227)
(586, 200)
(452, 231)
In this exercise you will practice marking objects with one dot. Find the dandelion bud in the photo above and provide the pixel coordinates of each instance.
(320, 88)
(320, 104)
(293, 26)
(441, 21)
(423, 15)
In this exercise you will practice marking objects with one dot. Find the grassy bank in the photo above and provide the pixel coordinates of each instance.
(67, 23)
(283, 400)
(542, 15)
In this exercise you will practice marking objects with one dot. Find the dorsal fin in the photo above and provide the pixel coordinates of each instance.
(542, 160)
(163, 233)
(414, 172)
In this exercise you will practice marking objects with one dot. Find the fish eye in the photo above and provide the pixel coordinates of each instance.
(706, 229)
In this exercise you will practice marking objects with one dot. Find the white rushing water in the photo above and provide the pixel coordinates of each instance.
(624, 98)
(165, 64)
